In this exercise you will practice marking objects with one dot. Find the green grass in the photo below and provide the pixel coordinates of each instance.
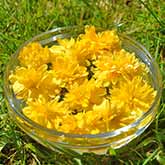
(22, 19)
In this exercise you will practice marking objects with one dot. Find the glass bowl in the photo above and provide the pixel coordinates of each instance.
(74, 143)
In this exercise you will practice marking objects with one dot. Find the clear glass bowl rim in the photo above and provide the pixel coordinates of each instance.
(69, 135)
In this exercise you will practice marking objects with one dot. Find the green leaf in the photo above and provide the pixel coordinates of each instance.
(112, 152)
(2, 145)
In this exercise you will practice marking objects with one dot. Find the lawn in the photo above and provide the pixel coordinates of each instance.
(144, 20)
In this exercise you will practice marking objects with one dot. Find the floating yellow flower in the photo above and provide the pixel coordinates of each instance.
(84, 85)
(25, 81)
(49, 86)
(103, 41)
(91, 44)
(34, 55)
(44, 112)
(30, 82)
(112, 67)
(100, 117)
(80, 96)
(132, 96)
(68, 70)
(64, 48)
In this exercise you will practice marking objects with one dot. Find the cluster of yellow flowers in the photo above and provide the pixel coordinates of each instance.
(87, 85)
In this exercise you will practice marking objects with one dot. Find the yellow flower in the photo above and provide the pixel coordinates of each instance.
(68, 124)
(90, 45)
(63, 49)
(82, 96)
(34, 55)
(79, 95)
(100, 116)
(49, 85)
(68, 70)
(97, 94)
(45, 113)
(113, 67)
(96, 120)
(67, 43)
(25, 80)
(30, 82)
(133, 97)
(103, 41)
